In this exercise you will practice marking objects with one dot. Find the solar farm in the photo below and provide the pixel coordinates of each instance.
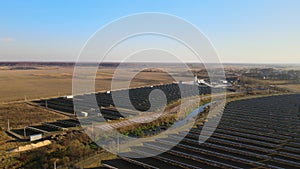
(253, 133)
(45, 128)
(139, 97)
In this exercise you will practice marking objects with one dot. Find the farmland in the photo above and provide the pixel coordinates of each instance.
(52, 81)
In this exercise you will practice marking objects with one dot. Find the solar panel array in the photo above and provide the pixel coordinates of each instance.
(139, 98)
(253, 133)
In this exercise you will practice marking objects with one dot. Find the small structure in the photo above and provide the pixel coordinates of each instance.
(224, 81)
(69, 97)
(180, 83)
(35, 137)
(84, 114)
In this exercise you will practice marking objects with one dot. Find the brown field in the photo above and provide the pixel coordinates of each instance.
(293, 87)
(15, 85)
(53, 81)
(23, 114)
(277, 82)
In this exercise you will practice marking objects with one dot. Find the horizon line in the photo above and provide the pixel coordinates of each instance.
(116, 62)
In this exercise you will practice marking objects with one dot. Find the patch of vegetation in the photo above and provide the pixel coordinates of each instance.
(66, 150)
(162, 123)
(148, 129)
(23, 68)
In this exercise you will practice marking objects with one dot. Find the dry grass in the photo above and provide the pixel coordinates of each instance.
(277, 82)
(16, 84)
(293, 87)
(8, 143)
(23, 114)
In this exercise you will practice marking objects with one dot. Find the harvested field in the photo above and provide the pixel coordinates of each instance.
(53, 81)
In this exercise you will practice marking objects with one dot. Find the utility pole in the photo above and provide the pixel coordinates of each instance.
(8, 127)
(24, 131)
(93, 135)
(118, 143)
(46, 104)
(54, 164)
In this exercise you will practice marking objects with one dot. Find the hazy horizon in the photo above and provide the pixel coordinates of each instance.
(115, 62)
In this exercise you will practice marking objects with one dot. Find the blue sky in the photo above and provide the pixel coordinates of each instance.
(243, 31)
